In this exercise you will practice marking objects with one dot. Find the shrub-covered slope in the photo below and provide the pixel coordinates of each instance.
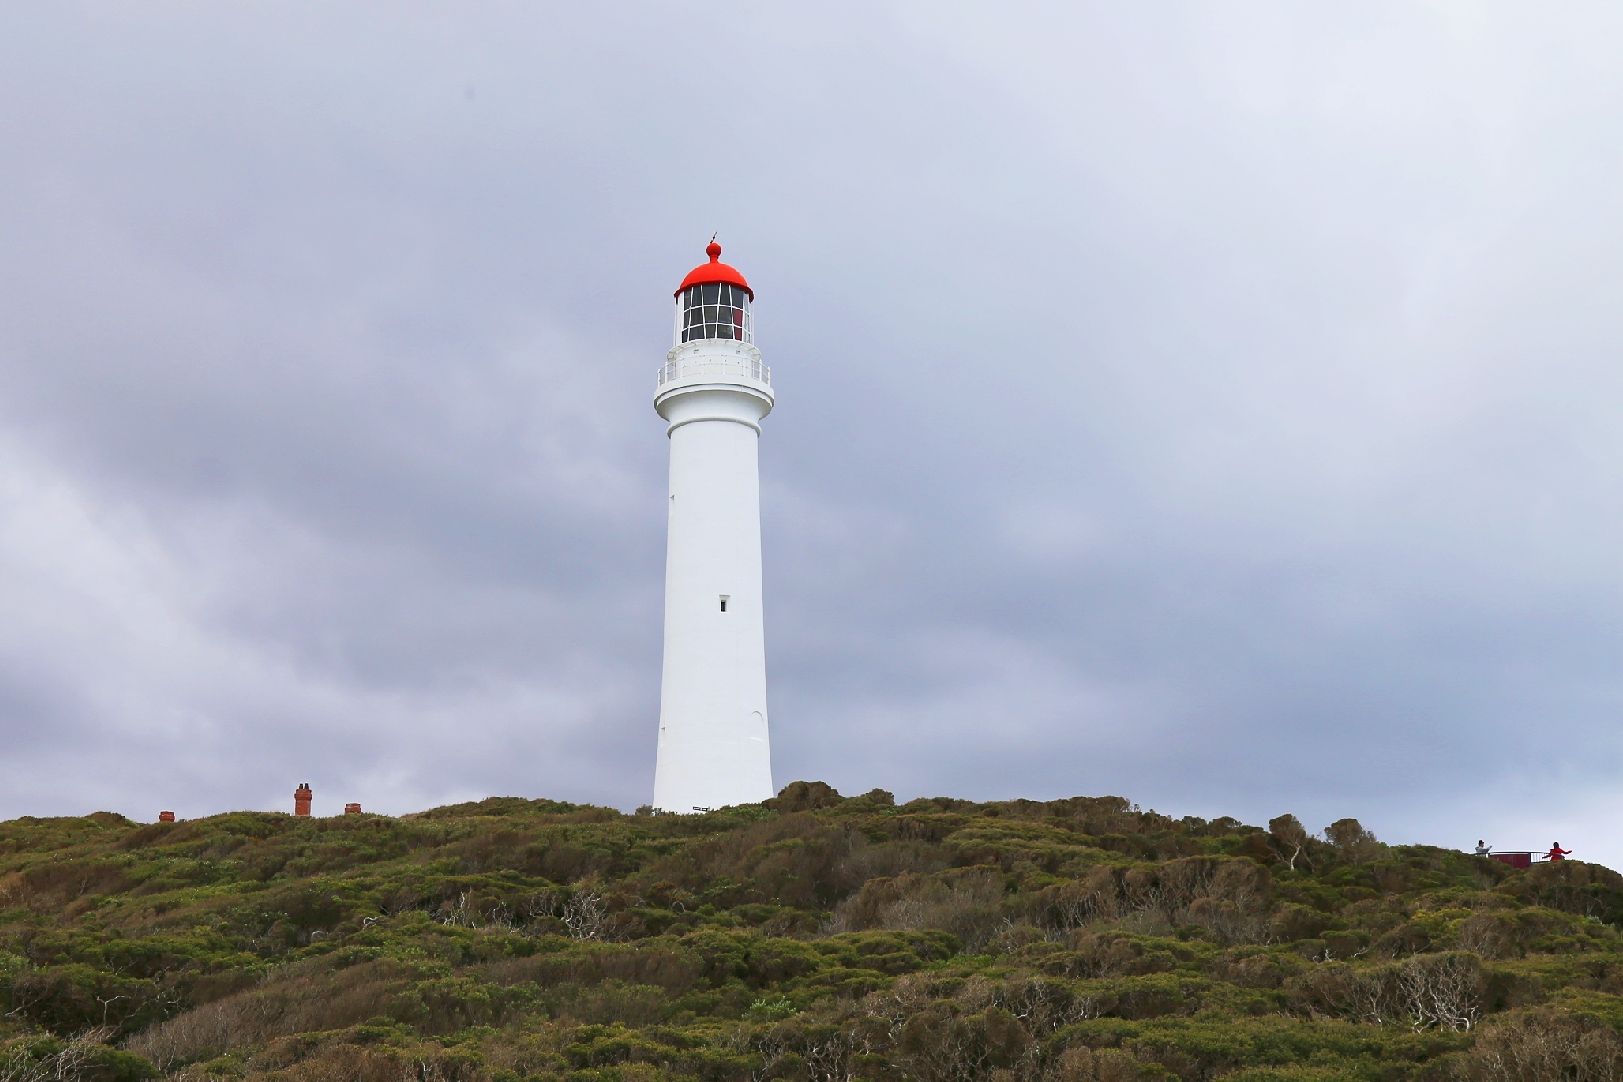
(810, 938)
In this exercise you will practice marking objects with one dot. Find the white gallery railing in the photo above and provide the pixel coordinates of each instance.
(715, 369)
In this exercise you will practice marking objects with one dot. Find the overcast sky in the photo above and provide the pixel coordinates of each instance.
(1212, 405)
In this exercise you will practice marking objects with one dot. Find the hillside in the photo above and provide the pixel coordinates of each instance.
(814, 938)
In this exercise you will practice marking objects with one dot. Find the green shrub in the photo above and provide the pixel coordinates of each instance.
(814, 937)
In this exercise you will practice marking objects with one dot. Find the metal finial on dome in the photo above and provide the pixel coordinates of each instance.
(713, 250)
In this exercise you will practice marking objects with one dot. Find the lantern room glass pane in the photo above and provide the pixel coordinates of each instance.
(715, 310)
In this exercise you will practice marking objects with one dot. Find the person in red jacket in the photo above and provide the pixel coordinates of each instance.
(1557, 853)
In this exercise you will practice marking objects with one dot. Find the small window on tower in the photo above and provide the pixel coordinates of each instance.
(724, 599)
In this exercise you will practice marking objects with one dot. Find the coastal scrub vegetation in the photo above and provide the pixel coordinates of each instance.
(812, 938)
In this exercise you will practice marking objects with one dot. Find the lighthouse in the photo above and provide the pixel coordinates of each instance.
(713, 392)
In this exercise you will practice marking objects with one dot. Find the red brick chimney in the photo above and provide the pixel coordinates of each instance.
(352, 809)
(166, 817)
(301, 799)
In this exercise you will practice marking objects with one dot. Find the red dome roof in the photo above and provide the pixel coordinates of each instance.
(714, 271)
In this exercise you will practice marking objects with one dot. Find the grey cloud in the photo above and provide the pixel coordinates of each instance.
(1218, 410)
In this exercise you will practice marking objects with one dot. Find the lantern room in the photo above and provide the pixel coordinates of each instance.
(713, 301)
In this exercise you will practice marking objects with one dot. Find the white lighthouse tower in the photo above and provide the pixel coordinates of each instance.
(713, 391)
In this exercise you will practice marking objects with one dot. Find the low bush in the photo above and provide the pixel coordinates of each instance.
(812, 938)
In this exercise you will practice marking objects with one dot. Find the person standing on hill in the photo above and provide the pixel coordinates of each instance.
(1557, 853)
